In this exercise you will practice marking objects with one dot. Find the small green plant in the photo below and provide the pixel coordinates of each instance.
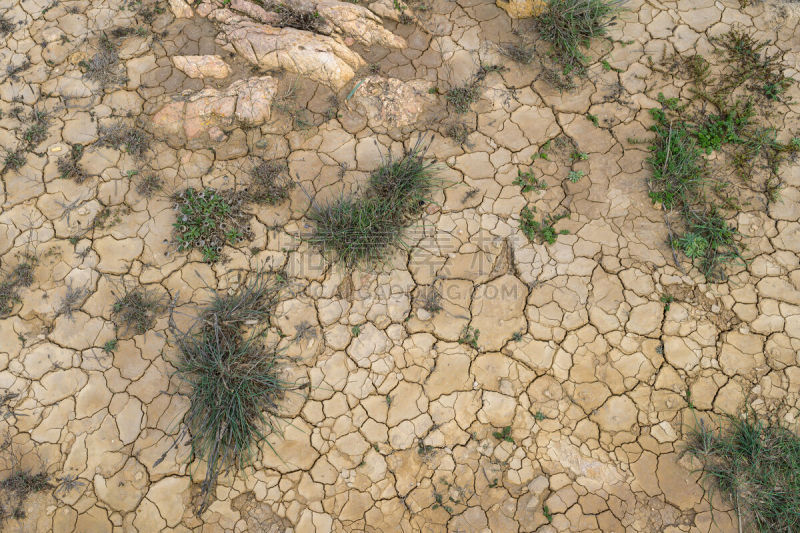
(517, 336)
(575, 175)
(570, 25)
(37, 129)
(544, 230)
(528, 182)
(110, 346)
(135, 311)
(207, 220)
(539, 416)
(543, 152)
(469, 336)
(504, 435)
(69, 166)
(754, 464)
(666, 299)
(13, 160)
(725, 128)
(593, 119)
(356, 330)
(269, 182)
(12, 281)
(235, 378)
(547, 514)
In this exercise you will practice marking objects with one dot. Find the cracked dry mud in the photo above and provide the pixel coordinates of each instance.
(576, 353)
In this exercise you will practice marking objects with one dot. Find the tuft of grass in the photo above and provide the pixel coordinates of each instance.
(16, 488)
(469, 336)
(543, 230)
(406, 183)
(149, 184)
(756, 466)
(462, 97)
(6, 26)
(134, 139)
(136, 310)
(72, 301)
(36, 132)
(69, 167)
(520, 53)
(361, 229)
(13, 160)
(104, 67)
(458, 132)
(20, 276)
(430, 299)
(290, 16)
(208, 220)
(251, 302)
(235, 378)
(355, 230)
(269, 182)
(570, 25)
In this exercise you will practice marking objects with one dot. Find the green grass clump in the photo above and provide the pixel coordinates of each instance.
(208, 220)
(570, 25)
(680, 182)
(136, 310)
(756, 466)
(357, 230)
(235, 377)
(406, 183)
(542, 231)
(726, 128)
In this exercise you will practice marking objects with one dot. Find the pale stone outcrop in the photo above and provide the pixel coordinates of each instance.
(210, 111)
(202, 66)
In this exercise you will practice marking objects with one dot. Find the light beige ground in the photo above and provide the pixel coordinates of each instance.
(396, 434)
